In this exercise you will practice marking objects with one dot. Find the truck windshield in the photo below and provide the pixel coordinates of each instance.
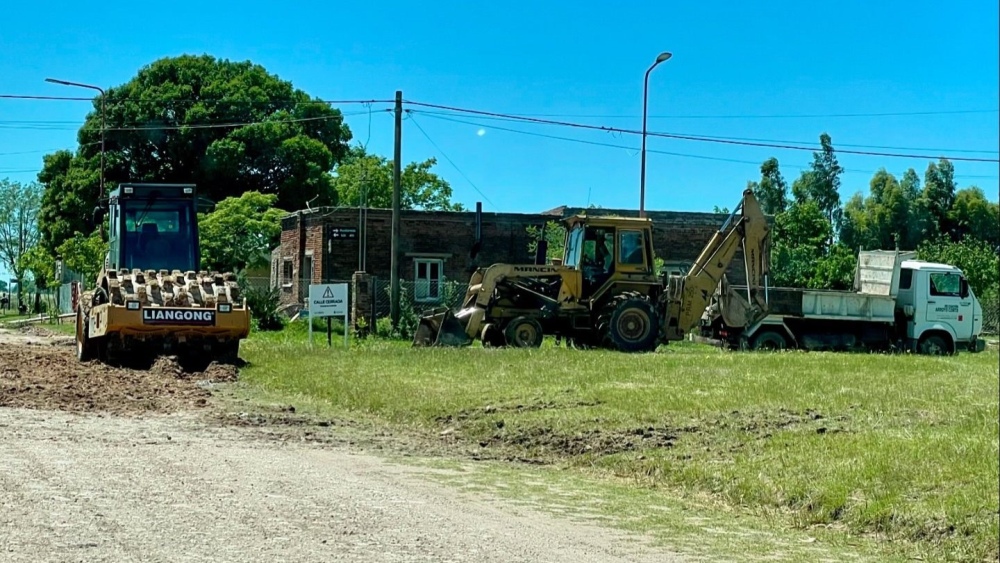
(946, 284)
(159, 236)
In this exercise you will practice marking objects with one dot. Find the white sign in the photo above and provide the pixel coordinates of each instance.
(328, 300)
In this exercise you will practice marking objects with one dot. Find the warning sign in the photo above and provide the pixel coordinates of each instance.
(328, 300)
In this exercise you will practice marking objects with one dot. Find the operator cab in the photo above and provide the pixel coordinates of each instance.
(153, 227)
(598, 247)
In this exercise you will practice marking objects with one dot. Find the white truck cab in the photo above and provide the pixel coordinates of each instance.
(941, 311)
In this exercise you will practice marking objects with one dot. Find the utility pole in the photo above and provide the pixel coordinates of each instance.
(394, 263)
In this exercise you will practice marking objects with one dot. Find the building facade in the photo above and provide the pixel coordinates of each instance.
(330, 245)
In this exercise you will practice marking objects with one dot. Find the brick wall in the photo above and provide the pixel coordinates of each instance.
(677, 237)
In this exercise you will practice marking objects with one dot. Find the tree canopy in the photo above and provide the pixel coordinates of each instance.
(240, 232)
(367, 179)
(816, 238)
(229, 127)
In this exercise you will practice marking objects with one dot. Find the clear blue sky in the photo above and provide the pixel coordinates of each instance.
(581, 61)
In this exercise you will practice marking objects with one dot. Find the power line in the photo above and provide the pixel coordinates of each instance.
(507, 119)
(455, 166)
(762, 116)
(185, 126)
(693, 137)
(635, 149)
(214, 100)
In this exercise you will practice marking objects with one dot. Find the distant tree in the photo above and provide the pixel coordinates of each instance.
(84, 254)
(772, 190)
(821, 183)
(239, 233)
(19, 205)
(228, 127)
(367, 179)
(971, 214)
(801, 239)
(554, 235)
(939, 192)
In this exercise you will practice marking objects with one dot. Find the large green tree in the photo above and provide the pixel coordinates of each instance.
(366, 179)
(19, 205)
(229, 127)
(239, 233)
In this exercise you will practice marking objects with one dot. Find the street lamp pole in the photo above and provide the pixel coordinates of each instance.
(645, 97)
(67, 83)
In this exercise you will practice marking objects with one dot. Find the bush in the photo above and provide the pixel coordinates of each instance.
(264, 303)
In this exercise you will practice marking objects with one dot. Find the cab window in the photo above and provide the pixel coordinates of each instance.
(630, 245)
(949, 285)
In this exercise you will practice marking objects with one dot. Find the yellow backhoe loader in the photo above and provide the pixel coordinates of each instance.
(605, 292)
(150, 296)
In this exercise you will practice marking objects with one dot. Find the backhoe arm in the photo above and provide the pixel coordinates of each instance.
(691, 296)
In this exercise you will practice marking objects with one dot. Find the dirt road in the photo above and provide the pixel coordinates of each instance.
(129, 470)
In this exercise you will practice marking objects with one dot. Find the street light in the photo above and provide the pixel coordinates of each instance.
(67, 83)
(645, 95)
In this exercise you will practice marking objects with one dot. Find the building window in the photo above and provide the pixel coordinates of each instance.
(287, 274)
(428, 275)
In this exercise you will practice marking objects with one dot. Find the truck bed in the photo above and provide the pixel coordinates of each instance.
(829, 304)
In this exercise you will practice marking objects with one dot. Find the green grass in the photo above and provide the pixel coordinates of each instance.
(903, 449)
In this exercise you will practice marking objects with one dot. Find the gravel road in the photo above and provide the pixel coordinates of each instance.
(86, 484)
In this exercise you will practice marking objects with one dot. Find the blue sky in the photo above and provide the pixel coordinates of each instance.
(739, 62)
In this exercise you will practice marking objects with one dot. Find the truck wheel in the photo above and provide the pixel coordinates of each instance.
(934, 345)
(769, 340)
(632, 325)
(524, 332)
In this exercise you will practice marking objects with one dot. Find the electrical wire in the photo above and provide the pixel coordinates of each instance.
(750, 116)
(692, 137)
(186, 126)
(450, 161)
(215, 100)
(635, 149)
(507, 119)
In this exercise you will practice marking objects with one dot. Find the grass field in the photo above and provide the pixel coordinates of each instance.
(900, 448)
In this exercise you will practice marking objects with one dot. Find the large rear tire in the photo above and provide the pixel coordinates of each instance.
(630, 324)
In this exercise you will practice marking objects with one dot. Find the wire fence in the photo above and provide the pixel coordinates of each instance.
(991, 316)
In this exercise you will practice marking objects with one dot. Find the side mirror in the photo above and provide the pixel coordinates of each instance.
(963, 291)
(99, 213)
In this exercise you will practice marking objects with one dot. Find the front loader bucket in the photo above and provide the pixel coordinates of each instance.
(441, 329)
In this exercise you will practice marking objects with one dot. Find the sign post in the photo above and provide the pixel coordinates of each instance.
(328, 300)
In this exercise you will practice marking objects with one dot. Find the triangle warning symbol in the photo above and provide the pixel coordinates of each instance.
(328, 294)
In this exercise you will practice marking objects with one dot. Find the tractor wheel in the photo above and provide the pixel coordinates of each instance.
(492, 336)
(85, 348)
(524, 332)
(630, 324)
(769, 340)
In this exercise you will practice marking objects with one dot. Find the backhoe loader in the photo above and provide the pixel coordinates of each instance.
(605, 292)
(150, 295)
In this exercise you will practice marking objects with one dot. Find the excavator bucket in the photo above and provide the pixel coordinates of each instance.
(440, 328)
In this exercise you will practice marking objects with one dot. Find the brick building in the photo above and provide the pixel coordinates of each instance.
(325, 245)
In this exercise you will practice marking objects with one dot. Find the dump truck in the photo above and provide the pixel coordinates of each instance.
(150, 295)
(605, 292)
(896, 303)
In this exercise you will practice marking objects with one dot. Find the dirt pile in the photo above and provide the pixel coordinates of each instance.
(50, 377)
